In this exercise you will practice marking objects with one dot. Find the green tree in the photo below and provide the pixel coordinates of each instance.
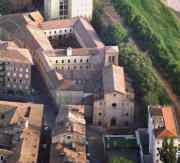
(120, 160)
(163, 53)
(168, 151)
(96, 19)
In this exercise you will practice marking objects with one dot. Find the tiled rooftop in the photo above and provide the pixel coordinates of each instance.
(20, 135)
(169, 128)
(69, 122)
(114, 79)
(16, 55)
(57, 24)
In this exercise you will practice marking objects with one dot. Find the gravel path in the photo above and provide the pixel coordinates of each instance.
(174, 4)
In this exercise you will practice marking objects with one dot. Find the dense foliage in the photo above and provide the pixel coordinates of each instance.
(120, 160)
(96, 19)
(136, 64)
(114, 34)
(168, 151)
(140, 68)
(156, 29)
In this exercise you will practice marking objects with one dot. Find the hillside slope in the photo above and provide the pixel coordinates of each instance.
(163, 22)
(156, 29)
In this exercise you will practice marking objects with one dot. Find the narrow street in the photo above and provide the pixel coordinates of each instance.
(50, 111)
(95, 145)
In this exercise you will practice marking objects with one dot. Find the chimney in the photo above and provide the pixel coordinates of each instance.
(69, 51)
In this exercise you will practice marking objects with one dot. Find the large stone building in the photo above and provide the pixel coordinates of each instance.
(115, 107)
(76, 67)
(15, 69)
(71, 73)
(20, 131)
(63, 9)
(162, 124)
(69, 136)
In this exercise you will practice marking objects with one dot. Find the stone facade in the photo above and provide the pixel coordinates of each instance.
(15, 69)
(115, 109)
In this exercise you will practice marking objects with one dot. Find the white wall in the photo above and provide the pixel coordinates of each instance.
(76, 8)
(51, 9)
(81, 8)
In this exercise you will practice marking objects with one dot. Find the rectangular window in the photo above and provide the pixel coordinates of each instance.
(113, 59)
(110, 59)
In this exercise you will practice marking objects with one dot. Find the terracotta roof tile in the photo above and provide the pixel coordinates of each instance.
(56, 24)
(169, 124)
(114, 79)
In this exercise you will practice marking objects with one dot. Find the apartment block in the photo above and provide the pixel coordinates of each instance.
(162, 124)
(15, 69)
(69, 136)
(20, 131)
(63, 9)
